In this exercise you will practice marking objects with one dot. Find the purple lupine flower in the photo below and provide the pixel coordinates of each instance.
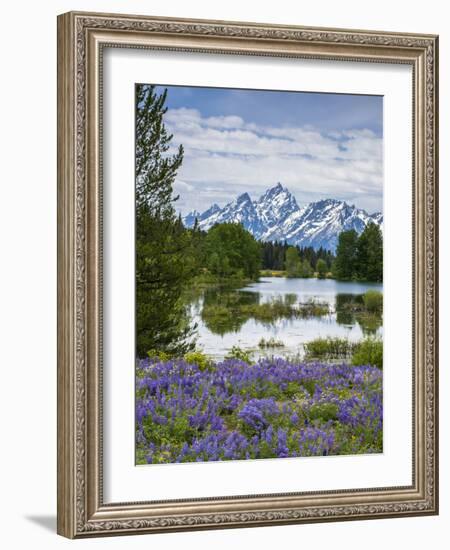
(210, 403)
(256, 413)
(268, 436)
(282, 448)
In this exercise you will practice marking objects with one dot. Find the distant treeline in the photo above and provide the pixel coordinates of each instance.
(274, 255)
(226, 251)
(358, 257)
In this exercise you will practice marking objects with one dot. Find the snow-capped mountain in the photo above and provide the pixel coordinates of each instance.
(189, 220)
(377, 217)
(277, 216)
(276, 205)
(241, 210)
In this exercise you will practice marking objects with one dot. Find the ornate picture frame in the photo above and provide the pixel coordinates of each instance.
(82, 38)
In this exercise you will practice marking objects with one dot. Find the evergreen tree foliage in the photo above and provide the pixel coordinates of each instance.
(370, 254)
(293, 262)
(230, 250)
(274, 256)
(163, 260)
(321, 268)
(360, 258)
(346, 264)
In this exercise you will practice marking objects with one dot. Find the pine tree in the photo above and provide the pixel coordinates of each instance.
(345, 263)
(293, 262)
(369, 258)
(231, 250)
(321, 268)
(163, 265)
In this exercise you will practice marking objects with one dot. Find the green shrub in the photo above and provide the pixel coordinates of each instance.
(312, 308)
(369, 352)
(238, 353)
(328, 347)
(159, 355)
(198, 358)
(323, 411)
(309, 385)
(373, 300)
(293, 389)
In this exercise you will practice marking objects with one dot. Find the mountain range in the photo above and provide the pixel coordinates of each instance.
(276, 216)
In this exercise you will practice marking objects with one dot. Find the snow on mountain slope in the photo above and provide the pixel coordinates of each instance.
(277, 216)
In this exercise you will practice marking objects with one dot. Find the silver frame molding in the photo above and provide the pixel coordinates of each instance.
(81, 39)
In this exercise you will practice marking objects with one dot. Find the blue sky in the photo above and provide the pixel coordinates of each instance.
(317, 145)
(324, 111)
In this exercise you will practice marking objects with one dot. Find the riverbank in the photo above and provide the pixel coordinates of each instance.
(314, 275)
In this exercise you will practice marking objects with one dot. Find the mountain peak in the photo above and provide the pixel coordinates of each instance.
(275, 206)
(329, 202)
(277, 216)
(212, 210)
(275, 190)
(245, 197)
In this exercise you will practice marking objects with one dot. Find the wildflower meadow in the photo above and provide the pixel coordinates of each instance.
(232, 410)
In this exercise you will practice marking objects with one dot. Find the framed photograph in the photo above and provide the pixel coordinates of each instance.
(247, 274)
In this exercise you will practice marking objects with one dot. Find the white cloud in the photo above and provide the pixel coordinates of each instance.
(183, 186)
(224, 122)
(226, 153)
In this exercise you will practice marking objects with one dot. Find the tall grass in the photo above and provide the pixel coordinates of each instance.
(366, 352)
(321, 348)
(369, 352)
(373, 301)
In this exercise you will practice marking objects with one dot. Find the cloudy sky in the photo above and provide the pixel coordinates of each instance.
(317, 145)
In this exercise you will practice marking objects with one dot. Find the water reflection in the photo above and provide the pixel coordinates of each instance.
(350, 310)
(294, 311)
(223, 310)
(227, 310)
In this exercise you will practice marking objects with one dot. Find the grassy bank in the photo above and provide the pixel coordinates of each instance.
(205, 279)
(272, 273)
